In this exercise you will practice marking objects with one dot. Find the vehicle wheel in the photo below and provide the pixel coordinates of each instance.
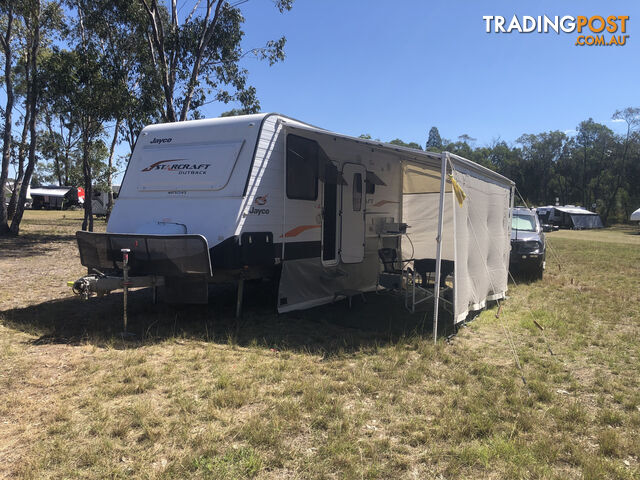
(538, 272)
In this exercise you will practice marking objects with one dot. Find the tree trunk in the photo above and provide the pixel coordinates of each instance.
(203, 41)
(621, 174)
(22, 148)
(87, 222)
(32, 102)
(6, 148)
(109, 175)
(57, 159)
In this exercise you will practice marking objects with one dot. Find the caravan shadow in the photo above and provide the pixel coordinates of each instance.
(33, 244)
(329, 329)
(523, 276)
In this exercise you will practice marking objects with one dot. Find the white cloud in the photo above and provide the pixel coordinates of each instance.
(570, 132)
(617, 120)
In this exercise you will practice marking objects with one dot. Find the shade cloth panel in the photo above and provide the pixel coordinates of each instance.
(420, 212)
(482, 245)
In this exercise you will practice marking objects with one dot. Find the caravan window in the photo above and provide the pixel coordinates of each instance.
(370, 188)
(357, 192)
(302, 168)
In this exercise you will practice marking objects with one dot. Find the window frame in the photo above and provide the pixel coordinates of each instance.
(357, 189)
(288, 157)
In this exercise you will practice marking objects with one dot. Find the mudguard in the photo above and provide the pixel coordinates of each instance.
(164, 255)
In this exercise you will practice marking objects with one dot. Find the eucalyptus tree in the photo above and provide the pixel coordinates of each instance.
(540, 153)
(80, 91)
(198, 59)
(40, 19)
(21, 79)
(7, 41)
(628, 146)
(117, 30)
(595, 146)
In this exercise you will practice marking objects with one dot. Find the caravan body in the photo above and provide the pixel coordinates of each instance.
(100, 200)
(266, 199)
(265, 196)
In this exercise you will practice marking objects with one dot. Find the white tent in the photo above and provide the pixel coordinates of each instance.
(635, 216)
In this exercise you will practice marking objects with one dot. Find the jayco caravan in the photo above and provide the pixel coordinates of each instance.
(267, 196)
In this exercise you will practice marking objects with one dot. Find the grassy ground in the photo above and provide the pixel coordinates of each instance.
(326, 393)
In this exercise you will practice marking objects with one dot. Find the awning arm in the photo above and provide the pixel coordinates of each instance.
(374, 179)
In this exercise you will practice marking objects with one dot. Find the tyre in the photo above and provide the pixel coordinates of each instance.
(538, 272)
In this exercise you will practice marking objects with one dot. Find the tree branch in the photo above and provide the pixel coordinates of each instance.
(158, 40)
(204, 41)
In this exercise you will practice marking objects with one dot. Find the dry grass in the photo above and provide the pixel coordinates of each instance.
(326, 393)
(627, 234)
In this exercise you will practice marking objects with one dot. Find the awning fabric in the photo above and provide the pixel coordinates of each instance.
(50, 192)
(586, 221)
(476, 234)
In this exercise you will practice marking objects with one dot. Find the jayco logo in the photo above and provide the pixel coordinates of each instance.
(258, 211)
(161, 140)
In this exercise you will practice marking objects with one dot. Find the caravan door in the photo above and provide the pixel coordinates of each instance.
(330, 216)
(352, 213)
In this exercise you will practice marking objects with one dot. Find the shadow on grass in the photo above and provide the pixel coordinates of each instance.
(524, 276)
(327, 330)
(32, 244)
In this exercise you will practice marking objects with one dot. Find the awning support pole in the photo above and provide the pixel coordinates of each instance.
(125, 287)
(240, 297)
(436, 286)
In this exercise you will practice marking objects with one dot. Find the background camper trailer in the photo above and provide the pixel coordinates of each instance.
(100, 200)
(56, 198)
(265, 196)
(569, 216)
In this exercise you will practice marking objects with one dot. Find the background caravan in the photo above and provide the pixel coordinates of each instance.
(265, 196)
(569, 216)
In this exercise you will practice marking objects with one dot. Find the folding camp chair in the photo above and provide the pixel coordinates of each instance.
(427, 266)
(417, 293)
(391, 276)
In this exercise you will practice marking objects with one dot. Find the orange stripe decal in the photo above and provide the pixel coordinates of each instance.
(383, 202)
(298, 230)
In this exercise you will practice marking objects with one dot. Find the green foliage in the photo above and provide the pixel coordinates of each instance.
(596, 166)
(101, 63)
(399, 142)
(434, 142)
(234, 112)
(198, 59)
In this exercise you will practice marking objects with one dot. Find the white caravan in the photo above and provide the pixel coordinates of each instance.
(100, 201)
(267, 196)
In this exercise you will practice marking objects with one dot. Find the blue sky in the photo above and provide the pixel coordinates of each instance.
(394, 69)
